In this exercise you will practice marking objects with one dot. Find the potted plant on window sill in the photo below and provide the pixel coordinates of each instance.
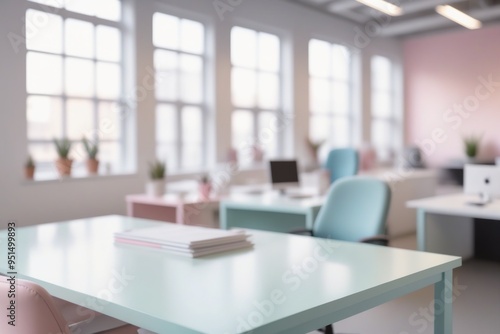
(29, 168)
(92, 149)
(63, 163)
(156, 185)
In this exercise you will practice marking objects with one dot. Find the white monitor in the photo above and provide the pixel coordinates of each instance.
(482, 180)
(284, 174)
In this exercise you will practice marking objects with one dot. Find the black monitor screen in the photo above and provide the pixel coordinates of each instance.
(284, 171)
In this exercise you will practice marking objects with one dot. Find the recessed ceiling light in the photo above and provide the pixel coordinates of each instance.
(383, 6)
(459, 17)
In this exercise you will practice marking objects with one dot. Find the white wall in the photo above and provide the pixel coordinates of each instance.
(37, 202)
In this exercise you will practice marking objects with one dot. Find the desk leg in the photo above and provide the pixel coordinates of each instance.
(443, 304)
(421, 230)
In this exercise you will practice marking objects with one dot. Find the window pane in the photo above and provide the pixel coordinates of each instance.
(79, 38)
(109, 126)
(340, 132)
(269, 52)
(381, 73)
(43, 31)
(108, 81)
(243, 134)
(192, 134)
(243, 47)
(108, 43)
(110, 155)
(87, 7)
(192, 36)
(166, 31)
(166, 135)
(80, 119)
(79, 77)
(319, 99)
(268, 135)
(319, 128)
(166, 64)
(340, 98)
(42, 152)
(382, 138)
(44, 73)
(319, 58)
(340, 62)
(243, 84)
(381, 105)
(44, 116)
(109, 10)
(269, 91)
(192, 78)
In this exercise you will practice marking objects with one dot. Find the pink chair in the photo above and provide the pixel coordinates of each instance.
(37, 312)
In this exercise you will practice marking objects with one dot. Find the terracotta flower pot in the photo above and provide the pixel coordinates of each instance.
(64, 166)
(29, 173)
(92, 166)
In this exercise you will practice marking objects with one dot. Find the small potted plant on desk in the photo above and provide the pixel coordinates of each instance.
(29, 168)
(156, 185)
(92, 149)
(471, 145)
(205, 187)
(63, 163)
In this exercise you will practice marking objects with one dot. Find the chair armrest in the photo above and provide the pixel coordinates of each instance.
(302, 231)
(381, 240)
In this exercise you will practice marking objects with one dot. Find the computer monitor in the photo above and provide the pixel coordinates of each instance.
(482, 180)
(284, 174)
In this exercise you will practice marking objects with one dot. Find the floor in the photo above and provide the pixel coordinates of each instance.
(476, 305)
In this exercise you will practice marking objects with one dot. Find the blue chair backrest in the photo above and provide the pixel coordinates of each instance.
(355, 208)
(342, 162)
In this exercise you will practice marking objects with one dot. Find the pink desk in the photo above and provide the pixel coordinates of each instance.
(174, 208)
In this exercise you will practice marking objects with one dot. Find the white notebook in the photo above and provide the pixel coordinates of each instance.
(182, 236)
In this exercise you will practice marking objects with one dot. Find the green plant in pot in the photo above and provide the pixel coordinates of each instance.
(471, 146)
(63, 163)
(29, 168)
(92, 149)
(156, 185)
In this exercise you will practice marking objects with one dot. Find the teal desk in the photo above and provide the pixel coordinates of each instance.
(236, 292)
(268, 212)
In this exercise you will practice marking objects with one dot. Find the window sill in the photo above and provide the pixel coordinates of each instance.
(47, 179)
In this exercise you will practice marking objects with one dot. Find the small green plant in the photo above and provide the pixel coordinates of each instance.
(471, 144)
(30, 163)
(157, 170)
(63, 147)
(92, 148)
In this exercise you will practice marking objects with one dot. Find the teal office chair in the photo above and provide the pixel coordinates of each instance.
(355, 209)
(342, 162)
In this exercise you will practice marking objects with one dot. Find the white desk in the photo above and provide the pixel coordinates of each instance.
(269, 212)
(234, 292)
(445, 223)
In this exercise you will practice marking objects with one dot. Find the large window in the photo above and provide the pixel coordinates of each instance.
(256, 92)
(384, 121)
(180, 91)
(330, 93)
(74, 79)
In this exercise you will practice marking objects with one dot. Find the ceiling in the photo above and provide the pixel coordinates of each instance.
(419, 15)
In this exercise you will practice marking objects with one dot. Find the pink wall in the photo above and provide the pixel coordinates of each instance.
(447, 94)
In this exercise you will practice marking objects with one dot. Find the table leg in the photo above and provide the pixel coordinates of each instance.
(421, 230)
(443, 307)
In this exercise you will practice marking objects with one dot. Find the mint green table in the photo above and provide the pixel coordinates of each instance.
(255, 290)
(268, 212)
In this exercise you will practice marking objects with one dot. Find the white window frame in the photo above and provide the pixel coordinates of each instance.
(47, 167)
(256, 110)
(351, 115)
(178, 104)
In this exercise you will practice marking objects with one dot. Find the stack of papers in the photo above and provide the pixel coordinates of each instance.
(191, 241)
